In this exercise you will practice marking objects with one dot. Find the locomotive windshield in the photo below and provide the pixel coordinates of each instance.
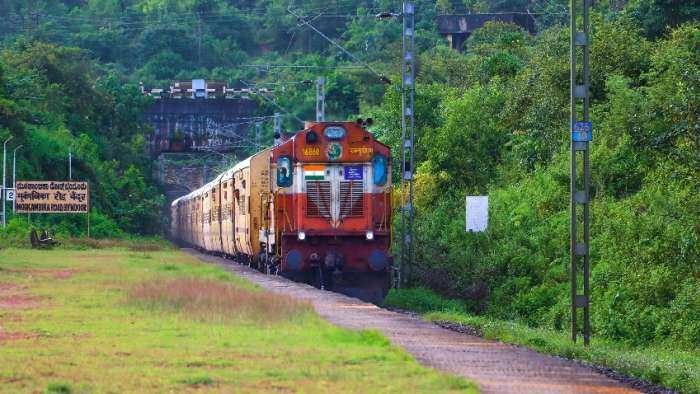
(379, 169)
(284, 171)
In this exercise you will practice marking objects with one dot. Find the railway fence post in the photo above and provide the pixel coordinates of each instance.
(581, 134)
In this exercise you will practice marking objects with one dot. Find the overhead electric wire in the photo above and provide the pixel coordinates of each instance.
(273, 102)
(268, 66)
(382, 77)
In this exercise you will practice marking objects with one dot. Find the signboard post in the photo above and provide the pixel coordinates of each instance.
(52, 197)
(477, 213)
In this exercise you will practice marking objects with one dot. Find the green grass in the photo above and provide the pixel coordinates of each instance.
(71, 322)
(670, 367)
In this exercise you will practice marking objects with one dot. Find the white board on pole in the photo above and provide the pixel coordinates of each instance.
(477, 213)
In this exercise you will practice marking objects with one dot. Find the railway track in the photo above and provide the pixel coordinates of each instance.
(494, 366)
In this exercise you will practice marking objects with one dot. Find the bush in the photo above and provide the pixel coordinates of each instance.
(645, 209)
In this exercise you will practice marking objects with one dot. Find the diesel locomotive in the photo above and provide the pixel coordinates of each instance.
(315, 208)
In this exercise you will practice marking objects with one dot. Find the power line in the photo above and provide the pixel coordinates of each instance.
(271, 66)
(382, 77)
(273, 102)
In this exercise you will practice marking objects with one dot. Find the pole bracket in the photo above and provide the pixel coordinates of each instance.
(580, 145)
(581, 301)
(581, 39)
(581, 249)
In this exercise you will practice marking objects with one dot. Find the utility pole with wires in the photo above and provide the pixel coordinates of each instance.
(278, 129)
(320, 99)
(408, 136)
(258, 134)
(581, 135)
(70, 164)
(199, 40)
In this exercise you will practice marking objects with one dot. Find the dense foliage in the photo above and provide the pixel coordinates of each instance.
(53, 101)
(490, 120)
(506, 136)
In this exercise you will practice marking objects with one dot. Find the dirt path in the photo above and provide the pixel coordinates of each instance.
(494, 366)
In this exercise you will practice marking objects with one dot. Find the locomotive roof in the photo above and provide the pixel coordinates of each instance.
(348, 142)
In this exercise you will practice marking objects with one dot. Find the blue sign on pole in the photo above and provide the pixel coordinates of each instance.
(353, 173)
(582, 131)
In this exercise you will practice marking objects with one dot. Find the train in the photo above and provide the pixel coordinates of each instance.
(314, 208)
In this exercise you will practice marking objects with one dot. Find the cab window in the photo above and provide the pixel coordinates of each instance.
(379, 164)
(284, 171)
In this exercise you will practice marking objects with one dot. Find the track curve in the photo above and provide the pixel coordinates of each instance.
(496, 367)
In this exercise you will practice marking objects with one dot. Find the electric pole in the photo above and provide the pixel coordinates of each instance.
(407, 133)
(278, 128)
(3, 191)
(320, 99)
(258, 133)
(199, 40)
(581, 135)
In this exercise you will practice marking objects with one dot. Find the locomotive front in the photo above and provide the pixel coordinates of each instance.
(332, 209)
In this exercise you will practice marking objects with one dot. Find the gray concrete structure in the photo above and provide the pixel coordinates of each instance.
(457, 28)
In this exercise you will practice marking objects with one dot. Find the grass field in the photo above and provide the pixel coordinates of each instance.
(671, 366)
(119, 320)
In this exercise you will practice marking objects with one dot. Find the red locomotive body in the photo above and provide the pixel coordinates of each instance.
(333, 208)
(316, 208)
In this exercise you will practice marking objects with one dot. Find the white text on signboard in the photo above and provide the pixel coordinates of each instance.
(52, 197)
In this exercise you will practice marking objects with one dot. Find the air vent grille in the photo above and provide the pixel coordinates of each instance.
(318, 199)
(351, 199)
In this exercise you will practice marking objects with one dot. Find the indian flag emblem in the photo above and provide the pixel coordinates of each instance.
(314, 173)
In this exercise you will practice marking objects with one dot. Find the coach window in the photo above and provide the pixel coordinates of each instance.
(284, 171)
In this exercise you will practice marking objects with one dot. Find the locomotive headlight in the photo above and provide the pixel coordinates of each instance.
(301, 235)
(370, 235)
